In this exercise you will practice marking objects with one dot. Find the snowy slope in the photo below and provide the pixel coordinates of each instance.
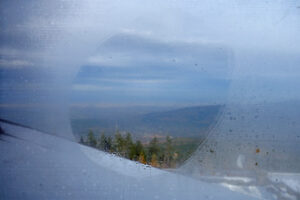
(35, 165)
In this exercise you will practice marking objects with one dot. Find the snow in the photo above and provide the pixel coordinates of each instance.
(291, 180)
(36, 165)
(120, 165)
(250, 190)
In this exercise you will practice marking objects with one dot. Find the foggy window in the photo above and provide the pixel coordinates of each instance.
(149, 100)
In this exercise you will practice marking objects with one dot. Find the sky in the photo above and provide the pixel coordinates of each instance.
(178, 52)
(135, 69)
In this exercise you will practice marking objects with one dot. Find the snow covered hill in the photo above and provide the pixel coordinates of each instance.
(36, 165)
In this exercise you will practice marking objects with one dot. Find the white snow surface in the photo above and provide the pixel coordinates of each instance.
(35, 165)
(291, 180)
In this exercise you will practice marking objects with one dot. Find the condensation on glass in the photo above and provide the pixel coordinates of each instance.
(44, 44)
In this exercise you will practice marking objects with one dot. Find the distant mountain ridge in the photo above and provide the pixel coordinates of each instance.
(182, 122)
(185, 121)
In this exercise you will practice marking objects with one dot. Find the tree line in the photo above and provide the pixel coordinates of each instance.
(155, 153)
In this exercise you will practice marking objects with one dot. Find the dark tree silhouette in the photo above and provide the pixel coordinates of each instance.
(91, 140)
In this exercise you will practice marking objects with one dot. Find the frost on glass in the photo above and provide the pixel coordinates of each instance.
(258, 131)
(44, 44)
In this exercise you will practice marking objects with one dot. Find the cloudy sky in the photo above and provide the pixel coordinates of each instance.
(157, 52)
(132, 69)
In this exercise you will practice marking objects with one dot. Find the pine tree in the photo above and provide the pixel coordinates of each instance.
(128, 145)
(153, 148)
(169, 151)
(102, 144)
(91, 140)
(109, 144)
(132, 154)
(139, 148)
(119, 144)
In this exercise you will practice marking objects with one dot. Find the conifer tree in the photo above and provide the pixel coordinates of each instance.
(132, 153)
(169, 151)
(153, 148)
(128, 145)
(109, 144)
(91, 140)
(119, 143)
(102, 144)
(139, 148)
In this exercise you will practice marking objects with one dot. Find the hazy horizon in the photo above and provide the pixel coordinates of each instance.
(129, 69)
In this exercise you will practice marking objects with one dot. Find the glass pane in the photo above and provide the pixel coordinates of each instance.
(162, 95)
(239, 57)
